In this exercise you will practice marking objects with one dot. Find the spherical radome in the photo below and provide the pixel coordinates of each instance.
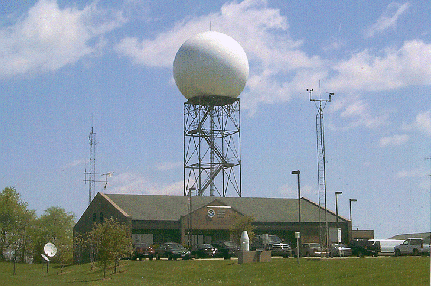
(211, 63)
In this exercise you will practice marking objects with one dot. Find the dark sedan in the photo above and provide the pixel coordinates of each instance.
(226, 249)
(205, 250)
(143, 252)
(172, 251)
(363, 247)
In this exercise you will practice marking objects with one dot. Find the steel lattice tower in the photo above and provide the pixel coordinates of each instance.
(321, 169)
(212, 160)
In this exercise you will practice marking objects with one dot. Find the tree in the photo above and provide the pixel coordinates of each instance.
(16, 223)
(240, 224)
(110, 241)
(55, 225)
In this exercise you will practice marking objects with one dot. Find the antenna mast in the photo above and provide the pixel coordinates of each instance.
(90, 175)
(91, 179)
(321, 170)
(429, 158)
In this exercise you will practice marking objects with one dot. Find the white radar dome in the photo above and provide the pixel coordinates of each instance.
(211, 64)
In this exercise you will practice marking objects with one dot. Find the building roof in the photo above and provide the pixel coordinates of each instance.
(171, 208)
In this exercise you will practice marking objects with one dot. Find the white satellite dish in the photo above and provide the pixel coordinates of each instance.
(50, 249)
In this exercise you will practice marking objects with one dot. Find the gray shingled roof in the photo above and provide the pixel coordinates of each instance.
(171, 208)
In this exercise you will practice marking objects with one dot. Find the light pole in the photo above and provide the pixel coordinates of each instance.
(297, 172)
(336, 206)
(339, 235)
(350, 209)
(190, 215)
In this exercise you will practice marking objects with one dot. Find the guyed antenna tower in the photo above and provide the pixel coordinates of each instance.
(321, 168)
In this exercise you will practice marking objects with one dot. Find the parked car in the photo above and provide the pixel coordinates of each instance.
(312, 250)
(205, 250)
(363, 247)
(273, 243)
(339, 250)
(172, 250)
(412, 246)
(226, 249)
(143, 251)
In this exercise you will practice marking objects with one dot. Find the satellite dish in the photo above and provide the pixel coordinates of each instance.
(44, 257)
(50, 249)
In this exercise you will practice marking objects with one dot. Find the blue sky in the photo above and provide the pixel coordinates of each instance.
(68, 65)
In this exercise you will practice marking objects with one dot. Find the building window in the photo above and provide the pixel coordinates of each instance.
(101, 217)
(94, 216)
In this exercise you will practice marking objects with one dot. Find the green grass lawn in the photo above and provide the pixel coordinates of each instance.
(352, 271)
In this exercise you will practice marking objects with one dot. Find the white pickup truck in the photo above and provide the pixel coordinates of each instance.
(412, 246)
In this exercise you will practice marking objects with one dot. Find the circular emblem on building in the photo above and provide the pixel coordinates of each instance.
(211, 213)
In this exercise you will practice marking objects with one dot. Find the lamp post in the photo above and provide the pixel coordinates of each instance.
(297, 172)
(336, 206)
(336, 216)
(350, 208)
(190, 236)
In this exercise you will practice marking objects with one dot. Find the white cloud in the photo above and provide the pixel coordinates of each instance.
(279, 67)
(173, 189)
(395, 140)
(334, 45)
(129, 183)
(248, 22)
(134, 183)
(388, 19)
(367, 71)
(275, 58)
(356, 112)
(76, 162)
(415, 173)
(422, 123)
(48, 37)
(287, 191)
(166, 166)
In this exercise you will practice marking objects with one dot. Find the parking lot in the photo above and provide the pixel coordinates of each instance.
(383, 256)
